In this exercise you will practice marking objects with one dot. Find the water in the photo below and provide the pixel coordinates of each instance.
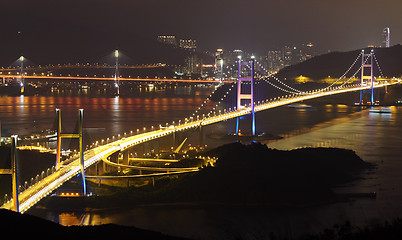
(104, 116)
(376, 138)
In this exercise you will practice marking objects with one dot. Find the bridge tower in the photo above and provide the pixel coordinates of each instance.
(367, 76)
(245, 96)
(116, 72)
(21, 77)
(78, 135)
(13, 172)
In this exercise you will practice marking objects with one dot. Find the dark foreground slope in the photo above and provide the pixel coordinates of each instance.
(387, 230)
(15, 223)
(334, 64)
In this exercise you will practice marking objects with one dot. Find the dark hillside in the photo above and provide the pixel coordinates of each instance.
(12, 223)
(93, 47)
(336, 63)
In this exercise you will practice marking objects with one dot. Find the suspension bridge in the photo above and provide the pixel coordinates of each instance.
(246, 104)
(45, 73)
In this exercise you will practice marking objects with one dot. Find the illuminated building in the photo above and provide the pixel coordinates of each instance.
(167, 39)
(189, 44)
(386, 34)
(193, 65)
(219, 64)
(274, 61)
(287, 56)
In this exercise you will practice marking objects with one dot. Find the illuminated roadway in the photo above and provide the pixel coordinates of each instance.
(40, 77)
(47, 185)
(81, 66)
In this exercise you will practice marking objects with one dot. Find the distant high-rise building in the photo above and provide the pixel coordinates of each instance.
(193, 65)
(287, 56)
(274, 61)
(189, 44)
(237, 52)
(307, 51)
(167, 39)
(219, 53)
(219, 63)
(386, 34)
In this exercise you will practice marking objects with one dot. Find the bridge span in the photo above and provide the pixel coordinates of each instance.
(41, 189)
(87, 78)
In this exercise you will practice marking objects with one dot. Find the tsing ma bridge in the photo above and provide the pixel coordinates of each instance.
(245, 105)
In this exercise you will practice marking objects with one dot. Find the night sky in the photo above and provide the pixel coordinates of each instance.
(253, 25)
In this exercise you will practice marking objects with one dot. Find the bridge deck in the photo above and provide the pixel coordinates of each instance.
(38, 77)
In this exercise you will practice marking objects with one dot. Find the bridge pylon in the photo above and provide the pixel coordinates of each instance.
(367, 76)
(116, 73)
(13, 172)
(245, 96)
(78, 135)
(21, 75)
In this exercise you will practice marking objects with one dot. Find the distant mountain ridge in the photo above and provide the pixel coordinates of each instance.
(335, 64)
(63, 47)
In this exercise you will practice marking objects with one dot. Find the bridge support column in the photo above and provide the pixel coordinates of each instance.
(16, 205)
(116, 74)
(81, 146)
(237, 125)
(367, 63)
(249, 97)
(125, 157)
(58, 133)
(201, 135)
(174, 140)
(22, 89)
(252, 98)
(13, 172)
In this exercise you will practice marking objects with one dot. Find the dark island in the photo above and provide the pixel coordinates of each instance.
(244, 175)
(257, 175)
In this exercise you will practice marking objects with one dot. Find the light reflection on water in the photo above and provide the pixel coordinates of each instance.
(23, 115)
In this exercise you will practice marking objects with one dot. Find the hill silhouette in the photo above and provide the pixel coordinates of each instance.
(335, 64)
(12, 222)
(64, 47)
